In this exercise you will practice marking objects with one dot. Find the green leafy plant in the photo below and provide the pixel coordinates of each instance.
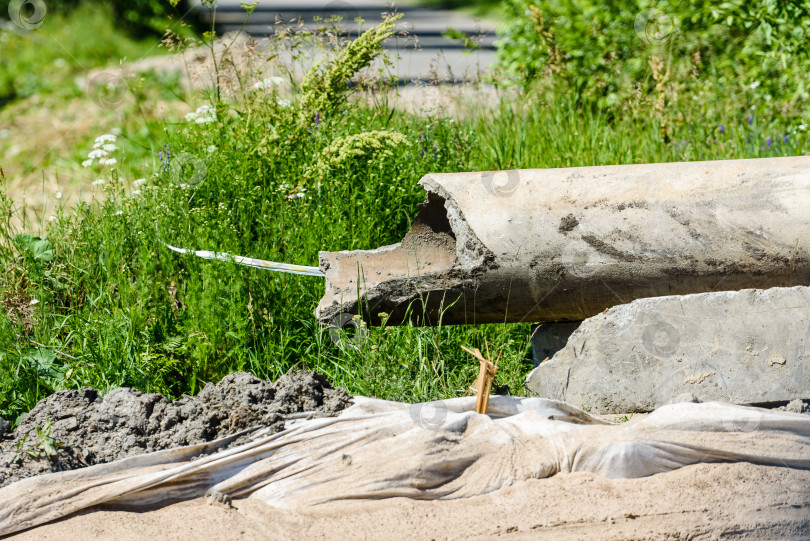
(46, 447)
(324, 87)
(35, 250)
(602, 52)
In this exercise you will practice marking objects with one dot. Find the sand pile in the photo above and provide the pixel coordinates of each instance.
(740, 502)
(87, 429)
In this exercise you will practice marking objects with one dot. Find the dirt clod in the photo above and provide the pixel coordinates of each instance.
(798, 406)
(126, 422)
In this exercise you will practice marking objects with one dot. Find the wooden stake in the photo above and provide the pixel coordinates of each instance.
(486, 374)
(482, 384)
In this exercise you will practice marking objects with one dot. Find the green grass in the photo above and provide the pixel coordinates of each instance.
(67, 45)
(101, 302)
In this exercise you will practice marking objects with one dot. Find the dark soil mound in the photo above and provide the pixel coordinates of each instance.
(87, 429)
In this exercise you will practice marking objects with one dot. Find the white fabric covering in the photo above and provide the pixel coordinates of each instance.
(438, 450)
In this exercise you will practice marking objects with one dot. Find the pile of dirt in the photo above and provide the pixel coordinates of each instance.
(86, 429)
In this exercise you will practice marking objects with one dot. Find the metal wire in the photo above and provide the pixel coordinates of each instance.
(251, 262)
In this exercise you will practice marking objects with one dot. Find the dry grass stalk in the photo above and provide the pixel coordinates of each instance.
(486, 375)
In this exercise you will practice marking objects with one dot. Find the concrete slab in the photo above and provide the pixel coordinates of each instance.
(549, 338)
(744, 347)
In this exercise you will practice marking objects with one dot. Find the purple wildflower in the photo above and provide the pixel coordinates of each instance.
(785, 138)
(750, 120)
(769, 142)
(164, 156)
(722, 129)
(422, 153)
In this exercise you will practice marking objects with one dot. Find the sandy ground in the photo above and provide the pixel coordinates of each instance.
(728, 501)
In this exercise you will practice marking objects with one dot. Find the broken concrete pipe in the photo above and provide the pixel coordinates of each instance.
(565, 244)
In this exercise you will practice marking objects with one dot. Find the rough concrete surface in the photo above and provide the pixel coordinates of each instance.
(127, 422)
(564, 244)
(549, 338)
(743, 347)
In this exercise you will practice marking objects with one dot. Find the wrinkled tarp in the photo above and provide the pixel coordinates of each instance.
(437, 450)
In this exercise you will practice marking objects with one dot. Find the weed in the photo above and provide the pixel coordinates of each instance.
(46, 446)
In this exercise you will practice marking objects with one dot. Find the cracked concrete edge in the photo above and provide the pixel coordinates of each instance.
(470, 251)
(433, 257)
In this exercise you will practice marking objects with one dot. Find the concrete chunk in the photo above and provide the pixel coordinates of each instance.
(744, 347)
(549, 338)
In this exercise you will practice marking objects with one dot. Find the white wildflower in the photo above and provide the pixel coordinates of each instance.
(203, 115)
(106, 138)
(754, 85)
(34, 301)
(119, 213)
(59, 195)
(139, 181)
(109, 147)
(52, 219)
(97, 153)
(98, 182)
(116, 131)
(211, 149)
(284, 102)
(136, 192)
(802, 127)
(107, 161)
(264, 84)
(87, 163)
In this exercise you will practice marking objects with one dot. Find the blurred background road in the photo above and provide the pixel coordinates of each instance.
(423, 52)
